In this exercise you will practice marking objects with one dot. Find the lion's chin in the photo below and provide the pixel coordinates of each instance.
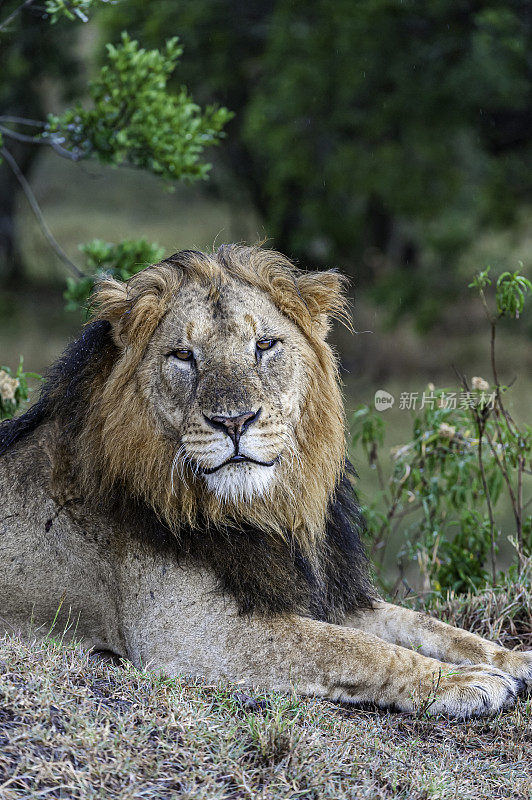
(241, 482)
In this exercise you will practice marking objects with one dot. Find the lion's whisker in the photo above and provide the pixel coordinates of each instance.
(177, 463)
(291, 447)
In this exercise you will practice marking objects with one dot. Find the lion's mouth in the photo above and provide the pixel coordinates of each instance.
(238, 458)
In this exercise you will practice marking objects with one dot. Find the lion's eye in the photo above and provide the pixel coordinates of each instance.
(266, 344)
(182, 355)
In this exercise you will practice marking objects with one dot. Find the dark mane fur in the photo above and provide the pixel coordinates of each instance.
(271, 577)
(64, 392)
(262, 574)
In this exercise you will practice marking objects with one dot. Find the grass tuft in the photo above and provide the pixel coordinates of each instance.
(502, 614)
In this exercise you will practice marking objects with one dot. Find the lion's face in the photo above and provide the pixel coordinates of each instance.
(225, 376)
(221, 399)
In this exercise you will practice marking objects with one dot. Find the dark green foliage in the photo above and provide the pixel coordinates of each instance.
(511, 291)
(380, 135)
(461, 559)
(14, 389)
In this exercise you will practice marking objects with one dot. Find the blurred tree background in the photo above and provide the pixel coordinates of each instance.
(34, 56)
(381, 135)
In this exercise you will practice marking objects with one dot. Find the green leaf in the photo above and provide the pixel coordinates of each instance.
(511, 291)
(14, 391)
(72, 9)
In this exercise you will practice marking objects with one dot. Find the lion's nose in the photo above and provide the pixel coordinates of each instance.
(234, 427)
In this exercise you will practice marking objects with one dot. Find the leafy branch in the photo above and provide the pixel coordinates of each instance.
(71, 9)
(134, 119)
(119, 261)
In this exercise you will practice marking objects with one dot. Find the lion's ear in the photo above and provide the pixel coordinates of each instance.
(324, 296)
(110, 302)
(136, 308)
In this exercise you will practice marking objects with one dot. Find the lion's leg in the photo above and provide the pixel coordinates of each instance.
(437, 639)
(326, 660)
(176, 624)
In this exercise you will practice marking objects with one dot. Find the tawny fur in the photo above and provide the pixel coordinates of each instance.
(121, 520)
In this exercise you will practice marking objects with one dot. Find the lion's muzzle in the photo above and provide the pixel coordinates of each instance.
(234, 426)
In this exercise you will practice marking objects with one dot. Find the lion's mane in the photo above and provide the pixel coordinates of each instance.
(298, 551)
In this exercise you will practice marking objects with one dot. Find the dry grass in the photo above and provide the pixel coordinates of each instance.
(502, 614)
(73, 726)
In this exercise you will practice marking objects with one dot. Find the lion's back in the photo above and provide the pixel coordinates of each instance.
(48, 560)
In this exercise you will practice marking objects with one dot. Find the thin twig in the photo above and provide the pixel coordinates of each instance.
(402, 514)
(15, 13)
(386, 526)
(63, 152)
(53, 143)
(520, 465)
(22, 121)
(481, 426)
(507, 417)
(380, 474)
(32, 200)
(502, 464)
(485, 304)
(22, 137)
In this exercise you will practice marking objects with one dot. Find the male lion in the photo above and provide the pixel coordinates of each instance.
(179, 496)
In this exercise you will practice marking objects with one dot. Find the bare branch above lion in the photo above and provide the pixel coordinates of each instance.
(182, 483)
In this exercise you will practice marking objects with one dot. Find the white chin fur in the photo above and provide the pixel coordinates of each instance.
(240, 482)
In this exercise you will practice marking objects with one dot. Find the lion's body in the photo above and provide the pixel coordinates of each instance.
(179, 496)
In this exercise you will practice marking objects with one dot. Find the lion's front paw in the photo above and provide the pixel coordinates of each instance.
(467, 691)
(515, 663)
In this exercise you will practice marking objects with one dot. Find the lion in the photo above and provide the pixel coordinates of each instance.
(180, 496)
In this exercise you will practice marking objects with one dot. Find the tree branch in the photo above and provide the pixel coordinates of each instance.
(506, 415)
(15, 13)
(480, 427)
(22, 121)
(32, 200)
(23, 137)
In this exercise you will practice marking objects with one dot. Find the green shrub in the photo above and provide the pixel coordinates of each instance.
(466, 452)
